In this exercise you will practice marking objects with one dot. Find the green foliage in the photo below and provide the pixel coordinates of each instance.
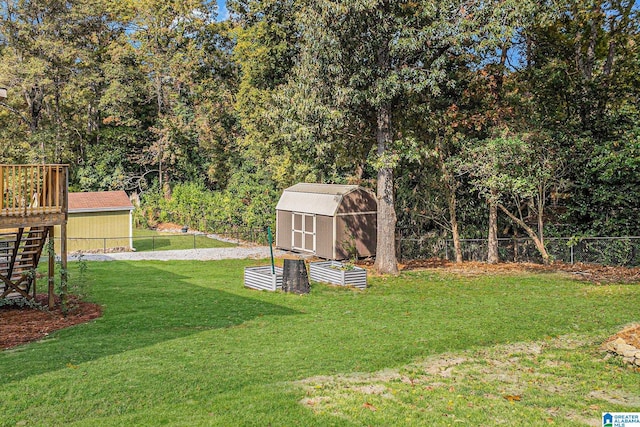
(501, 167)
(603, 201)
(249, 200)
(22, 302)
(152, 96)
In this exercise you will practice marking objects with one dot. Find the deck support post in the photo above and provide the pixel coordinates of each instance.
(52, 266)
(63, 263)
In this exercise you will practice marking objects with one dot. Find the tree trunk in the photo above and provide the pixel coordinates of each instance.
(166, 184)
(294, 277)
(541, 218)
(454, 226)
(386, 261)
(531, 232)
(35, 99)
(492, 252)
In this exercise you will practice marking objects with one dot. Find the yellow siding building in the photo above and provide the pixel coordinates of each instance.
(99, 221)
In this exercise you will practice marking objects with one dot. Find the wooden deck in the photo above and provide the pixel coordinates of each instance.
(33, 195)
(33, 198)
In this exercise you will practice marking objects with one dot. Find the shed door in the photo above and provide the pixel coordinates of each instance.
(303, 233)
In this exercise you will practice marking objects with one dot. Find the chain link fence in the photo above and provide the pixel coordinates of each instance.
(166, 241)
(238, 234)
(618, 251)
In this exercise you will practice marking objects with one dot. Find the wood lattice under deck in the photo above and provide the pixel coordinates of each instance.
(33, 198)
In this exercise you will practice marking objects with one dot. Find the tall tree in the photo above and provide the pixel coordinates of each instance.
(168, 39)
(267, 43)
(49, 64)
(583, 76)
(362, 60)
(519, 171)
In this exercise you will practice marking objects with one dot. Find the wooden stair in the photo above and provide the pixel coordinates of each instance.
(19, 256)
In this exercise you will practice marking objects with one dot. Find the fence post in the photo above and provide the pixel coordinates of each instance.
(153, 243)
(194, 241)
(571, 247)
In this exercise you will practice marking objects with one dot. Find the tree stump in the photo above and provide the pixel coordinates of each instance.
(294, 277)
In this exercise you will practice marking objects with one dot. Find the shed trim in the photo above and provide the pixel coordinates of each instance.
(356, 213)
(116, 209)
(335, 236)
(277, 225)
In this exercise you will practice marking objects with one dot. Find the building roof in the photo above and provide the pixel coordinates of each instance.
(320, 199)
(333, 189)
(99, 201)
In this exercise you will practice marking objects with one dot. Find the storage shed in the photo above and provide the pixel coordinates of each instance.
(99, 221)
(327, 220)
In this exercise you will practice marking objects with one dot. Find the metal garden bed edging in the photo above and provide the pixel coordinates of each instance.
(261, 278)
(334, 272)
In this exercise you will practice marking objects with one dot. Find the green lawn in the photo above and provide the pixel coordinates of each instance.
(149, 240)
(183, 343)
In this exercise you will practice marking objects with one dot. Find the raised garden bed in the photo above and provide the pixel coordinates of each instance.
(262, 279)
(337, 273)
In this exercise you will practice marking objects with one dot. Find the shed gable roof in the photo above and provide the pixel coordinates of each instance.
(99, 201)
(332, 189)
(319, 199)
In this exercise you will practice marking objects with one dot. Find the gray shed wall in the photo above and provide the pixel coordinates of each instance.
(358, 201)
(283, 230)
(359, 230)
(324, 236)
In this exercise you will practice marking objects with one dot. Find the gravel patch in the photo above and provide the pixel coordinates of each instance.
(240, 252)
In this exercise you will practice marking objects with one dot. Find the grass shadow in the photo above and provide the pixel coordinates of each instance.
(142, 306)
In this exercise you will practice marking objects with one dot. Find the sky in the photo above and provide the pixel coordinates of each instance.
(223, 13)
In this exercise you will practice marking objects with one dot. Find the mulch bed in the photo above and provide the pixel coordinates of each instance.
(594, 273)
(19, 325)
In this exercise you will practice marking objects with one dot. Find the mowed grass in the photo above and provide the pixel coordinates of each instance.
(149, 240)
(183, 343)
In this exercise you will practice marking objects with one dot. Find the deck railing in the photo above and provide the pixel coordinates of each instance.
(30, 190)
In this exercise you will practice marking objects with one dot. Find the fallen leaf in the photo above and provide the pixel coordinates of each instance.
(369, 406)
(513, 397)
